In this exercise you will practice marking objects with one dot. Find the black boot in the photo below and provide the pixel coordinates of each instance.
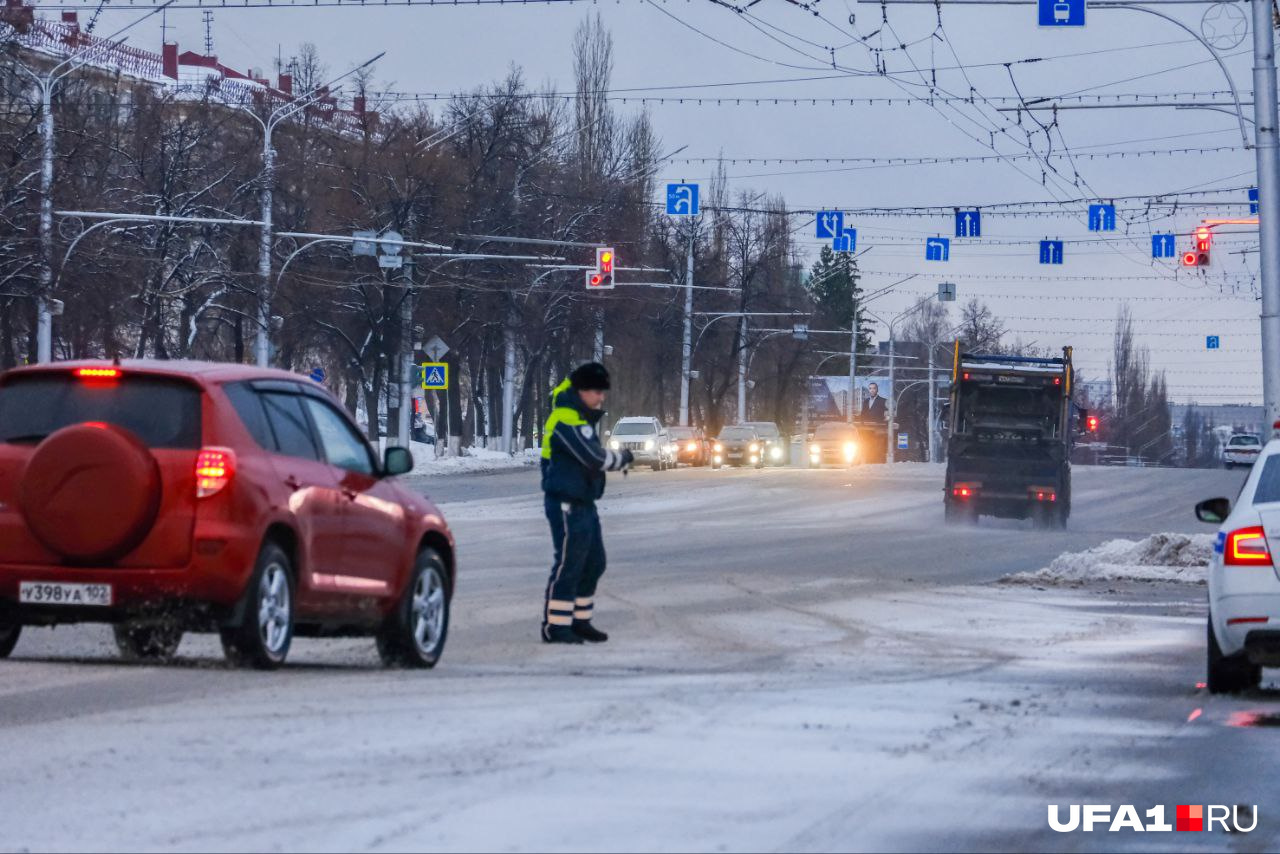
(559, 634)
(588, 632)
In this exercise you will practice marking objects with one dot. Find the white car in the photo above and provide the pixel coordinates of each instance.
(1242, 449)
(1244, 583)
(646, 439)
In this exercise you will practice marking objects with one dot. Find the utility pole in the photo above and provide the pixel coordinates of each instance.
(509, 377)
(406, 354)
(853, 354)
(44, 316)
(597, 349)
(262, 341)
(933, 449)
(686, 355)
(893, 402)
(742, 373)
(1265, 143)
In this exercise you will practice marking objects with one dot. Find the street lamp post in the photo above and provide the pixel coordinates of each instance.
(686, 350)
(266, 198)
(44, 83)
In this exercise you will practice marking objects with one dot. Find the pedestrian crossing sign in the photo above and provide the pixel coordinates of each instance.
(435, 376)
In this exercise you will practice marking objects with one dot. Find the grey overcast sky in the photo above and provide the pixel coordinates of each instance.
(685, 42)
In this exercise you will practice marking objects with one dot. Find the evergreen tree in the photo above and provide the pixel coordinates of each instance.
(833, 287)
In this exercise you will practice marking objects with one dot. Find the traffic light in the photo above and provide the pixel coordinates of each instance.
(1199, 256)
(1091, 424)
(601, 278)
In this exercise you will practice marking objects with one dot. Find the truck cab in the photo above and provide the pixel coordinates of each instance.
(1012, 424)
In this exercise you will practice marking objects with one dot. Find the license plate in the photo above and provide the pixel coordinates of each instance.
(50, 593)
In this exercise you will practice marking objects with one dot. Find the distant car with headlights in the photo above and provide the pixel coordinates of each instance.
(1242, 449)
(834, 443)
(774, 445)
(1244, 583)
(692, 447)
(740, 445)
(646, 439)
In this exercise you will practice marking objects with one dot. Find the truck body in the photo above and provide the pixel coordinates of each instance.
(1012, 422)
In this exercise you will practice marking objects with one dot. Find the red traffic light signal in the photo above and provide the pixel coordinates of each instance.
(1199, 256)
(601, 278)
(1091, 424)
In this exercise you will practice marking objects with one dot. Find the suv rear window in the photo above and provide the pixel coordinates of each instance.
(162, 412)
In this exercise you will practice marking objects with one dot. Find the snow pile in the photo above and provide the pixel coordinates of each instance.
(426, 462)
(1159, 557)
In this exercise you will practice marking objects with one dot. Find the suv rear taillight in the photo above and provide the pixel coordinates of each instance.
(1246, 547)
(214, 469)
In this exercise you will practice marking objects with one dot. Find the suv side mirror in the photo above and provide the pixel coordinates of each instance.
(397, 461)
(1214, 510)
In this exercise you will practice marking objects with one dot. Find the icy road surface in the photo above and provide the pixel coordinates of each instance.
(800, 660)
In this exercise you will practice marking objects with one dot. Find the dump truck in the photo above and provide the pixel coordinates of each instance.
(1012, 423)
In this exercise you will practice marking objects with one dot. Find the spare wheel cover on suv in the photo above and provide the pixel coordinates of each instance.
(90, 492)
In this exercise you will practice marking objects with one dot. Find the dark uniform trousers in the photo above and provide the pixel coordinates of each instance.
(579, 561)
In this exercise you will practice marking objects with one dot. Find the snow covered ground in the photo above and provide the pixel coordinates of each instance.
(799, 660)
(1181, 558)
(471, 460)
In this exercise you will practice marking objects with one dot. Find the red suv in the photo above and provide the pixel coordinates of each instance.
(164, 497)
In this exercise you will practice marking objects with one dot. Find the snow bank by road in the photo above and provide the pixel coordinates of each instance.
(1159, 557)
(471, 460)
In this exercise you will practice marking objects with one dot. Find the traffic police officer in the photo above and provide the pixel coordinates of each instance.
(574, 462)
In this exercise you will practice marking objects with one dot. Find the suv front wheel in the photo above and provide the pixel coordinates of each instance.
(414, 633)
(265, 630)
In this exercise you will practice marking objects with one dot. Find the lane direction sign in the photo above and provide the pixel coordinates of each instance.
(828, 225)
(968, 223)
(937, 249)
(1102, 217)
(1050, 251)
(1164, 246)
(682, 199)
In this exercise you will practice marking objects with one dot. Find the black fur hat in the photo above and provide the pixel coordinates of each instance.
(590, 376)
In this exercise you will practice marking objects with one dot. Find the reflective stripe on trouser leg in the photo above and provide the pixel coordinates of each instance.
(582, 608)
(571, 533)
(593, 569)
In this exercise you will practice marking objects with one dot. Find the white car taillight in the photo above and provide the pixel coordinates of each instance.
(214, 469)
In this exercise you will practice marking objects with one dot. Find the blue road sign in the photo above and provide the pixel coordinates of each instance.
(937, 249)
(1050, 251)
(846, 242)
(1163, 246)
(435, 375)
(829, 224)
(318, 374)
(969, 223)
(1102, 217)
(902, 441)
(682, 199)
(1062, 13)
(1211, 342)
(1253, 200)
